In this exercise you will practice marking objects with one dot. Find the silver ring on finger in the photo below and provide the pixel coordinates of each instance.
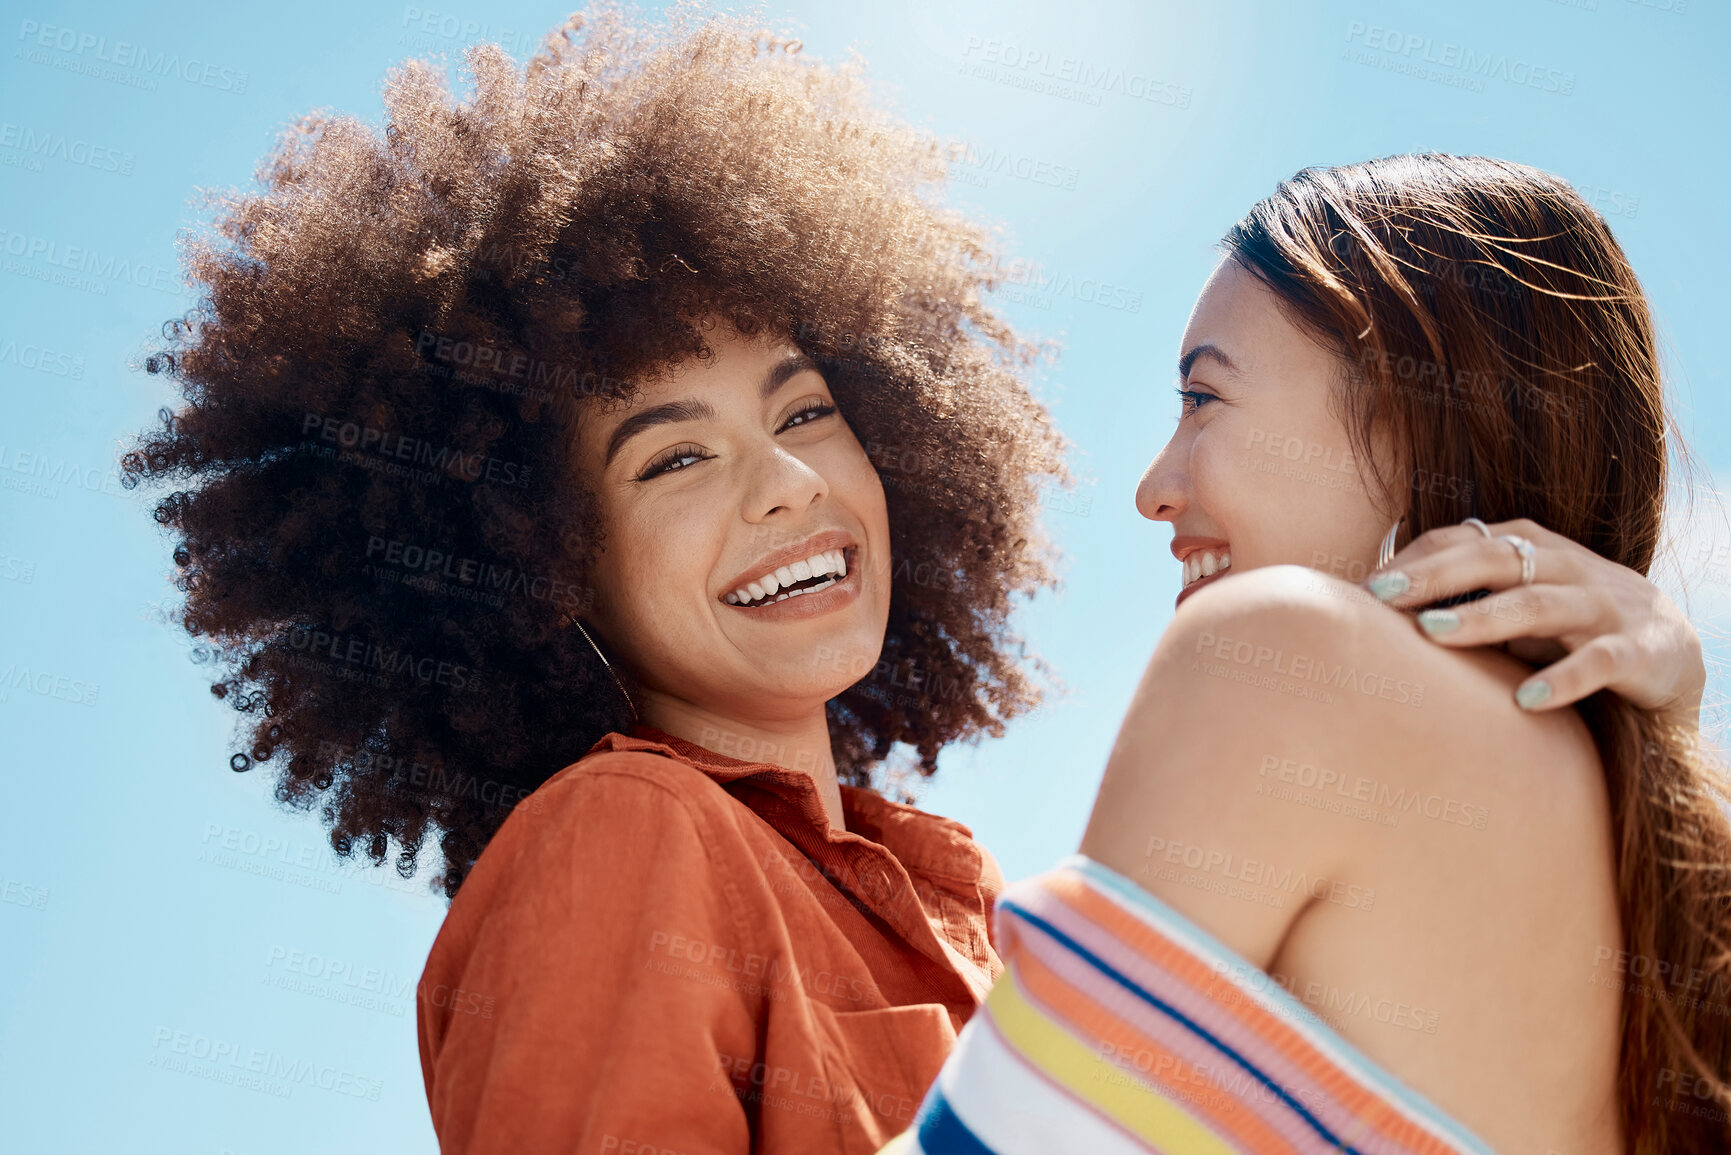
(1480, 526)
(1524, 548)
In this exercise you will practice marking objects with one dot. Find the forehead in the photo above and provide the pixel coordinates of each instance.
(734, 361)
(1240, 315)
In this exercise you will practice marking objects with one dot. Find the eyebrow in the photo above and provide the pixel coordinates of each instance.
(785, 370)
(690, 409)
(1212, 352)
(696, 409)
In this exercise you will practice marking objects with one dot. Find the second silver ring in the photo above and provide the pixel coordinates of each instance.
(1524, 548)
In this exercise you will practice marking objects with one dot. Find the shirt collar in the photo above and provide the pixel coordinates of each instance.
(923, 841)
(937, 851)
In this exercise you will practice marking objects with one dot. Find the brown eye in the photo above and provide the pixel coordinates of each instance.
(807, 415)
(677, 458)
(1194, 399)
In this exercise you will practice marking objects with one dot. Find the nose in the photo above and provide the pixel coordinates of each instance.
(781, 483)
(1164, 491)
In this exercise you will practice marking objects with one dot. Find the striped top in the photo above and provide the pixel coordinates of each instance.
(1120, 1027)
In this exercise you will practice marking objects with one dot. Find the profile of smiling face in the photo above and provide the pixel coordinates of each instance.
(1260, 471)
(729, 475)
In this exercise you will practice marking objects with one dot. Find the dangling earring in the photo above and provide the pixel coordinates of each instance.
(1385, 554)
(609, 665)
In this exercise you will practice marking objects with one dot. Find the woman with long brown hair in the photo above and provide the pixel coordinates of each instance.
(1344, 888)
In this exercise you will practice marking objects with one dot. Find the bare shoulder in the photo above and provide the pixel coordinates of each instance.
(1282, 672)
(1305, 645)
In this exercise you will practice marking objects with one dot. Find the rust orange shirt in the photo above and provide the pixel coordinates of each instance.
(666, 951)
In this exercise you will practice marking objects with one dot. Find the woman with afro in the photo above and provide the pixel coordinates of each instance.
(602, 476)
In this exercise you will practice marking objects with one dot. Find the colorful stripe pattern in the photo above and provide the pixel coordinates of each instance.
(1120, 1027)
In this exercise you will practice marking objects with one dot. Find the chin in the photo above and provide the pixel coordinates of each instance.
(844, 658)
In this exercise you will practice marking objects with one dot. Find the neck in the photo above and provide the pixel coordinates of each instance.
(800, 744)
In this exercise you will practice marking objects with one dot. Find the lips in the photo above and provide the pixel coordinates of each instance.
(790, 581)
(809, 571)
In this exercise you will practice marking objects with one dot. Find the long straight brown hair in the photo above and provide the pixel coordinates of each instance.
(1492, 327)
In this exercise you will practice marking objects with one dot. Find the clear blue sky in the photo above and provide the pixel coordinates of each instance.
(159, 914)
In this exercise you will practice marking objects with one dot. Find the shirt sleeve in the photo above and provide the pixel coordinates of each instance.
(577, 1012)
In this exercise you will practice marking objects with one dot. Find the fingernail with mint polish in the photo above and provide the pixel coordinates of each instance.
(1533, 695)
(1439, 622)
(1390, 585)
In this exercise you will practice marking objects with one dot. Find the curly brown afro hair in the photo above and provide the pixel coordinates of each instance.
(378, 523)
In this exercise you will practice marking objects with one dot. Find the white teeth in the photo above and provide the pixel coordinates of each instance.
(1205, 563)
(770, 587)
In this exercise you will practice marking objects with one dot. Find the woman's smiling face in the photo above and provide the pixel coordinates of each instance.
(728, 477)
(1260, 471)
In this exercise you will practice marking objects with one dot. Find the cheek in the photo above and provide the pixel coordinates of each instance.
(654, 565)
(865, 494)
(1229, 479)
(855, 484)
(1274, 504)
(843, 461)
